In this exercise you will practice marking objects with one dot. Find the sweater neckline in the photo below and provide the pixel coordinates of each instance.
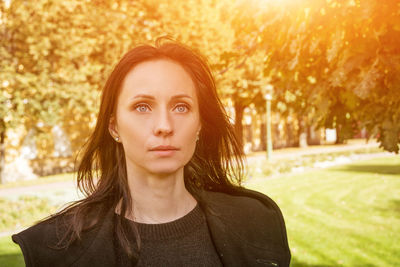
(170, 230)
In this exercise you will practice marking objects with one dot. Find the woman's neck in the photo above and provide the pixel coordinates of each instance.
(159, 198)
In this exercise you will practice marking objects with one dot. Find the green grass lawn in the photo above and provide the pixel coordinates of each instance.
(10, 253)
(23, 212)
(343, 216)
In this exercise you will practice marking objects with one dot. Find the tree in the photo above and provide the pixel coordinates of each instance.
(56, 56)
(338, 61)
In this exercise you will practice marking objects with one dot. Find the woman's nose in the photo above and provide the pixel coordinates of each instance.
(163, 125)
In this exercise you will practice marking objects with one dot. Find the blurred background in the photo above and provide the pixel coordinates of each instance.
(312, 87)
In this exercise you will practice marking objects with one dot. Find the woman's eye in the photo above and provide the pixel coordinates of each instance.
(142, 108)
(182, 108)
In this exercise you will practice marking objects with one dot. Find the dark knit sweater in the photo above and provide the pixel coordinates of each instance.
(183, 242)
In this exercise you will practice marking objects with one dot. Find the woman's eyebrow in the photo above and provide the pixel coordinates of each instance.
(143, 96)
(181, 96)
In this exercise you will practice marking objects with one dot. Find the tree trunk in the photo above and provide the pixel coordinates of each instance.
(2, 150)
(339, 135)
(239, 109)
(313, 136)
(263, 139)
(290, 135)
(302, 132)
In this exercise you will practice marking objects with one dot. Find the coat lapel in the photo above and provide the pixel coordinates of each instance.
(240, 234)
(101, 250)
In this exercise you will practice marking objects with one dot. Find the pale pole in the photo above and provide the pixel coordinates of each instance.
(268, 98)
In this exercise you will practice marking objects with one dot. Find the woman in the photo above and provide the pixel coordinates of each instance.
(161, 172)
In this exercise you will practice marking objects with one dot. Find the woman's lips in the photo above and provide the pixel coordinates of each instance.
(164, 151)
(163, 148)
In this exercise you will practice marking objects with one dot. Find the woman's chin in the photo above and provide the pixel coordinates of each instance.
(165, 170)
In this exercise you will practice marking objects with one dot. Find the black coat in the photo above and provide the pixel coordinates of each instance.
(247, 229)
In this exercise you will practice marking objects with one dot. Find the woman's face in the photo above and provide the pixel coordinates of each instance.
(157, 117)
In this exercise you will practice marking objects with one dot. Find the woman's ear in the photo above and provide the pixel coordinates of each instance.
(112, 128)
(198, 133)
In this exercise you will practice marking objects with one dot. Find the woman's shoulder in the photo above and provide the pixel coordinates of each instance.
(242, 200)
(247, 212)
(44, 244)
(38, 242)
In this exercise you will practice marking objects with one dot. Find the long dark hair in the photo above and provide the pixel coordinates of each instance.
(217, 163)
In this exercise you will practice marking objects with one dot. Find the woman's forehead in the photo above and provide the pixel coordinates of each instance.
(158, 78)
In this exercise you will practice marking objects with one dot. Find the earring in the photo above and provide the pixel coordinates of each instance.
(117, 139)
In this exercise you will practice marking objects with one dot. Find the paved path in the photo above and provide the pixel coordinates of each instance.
(58, 192)
(294, 152)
